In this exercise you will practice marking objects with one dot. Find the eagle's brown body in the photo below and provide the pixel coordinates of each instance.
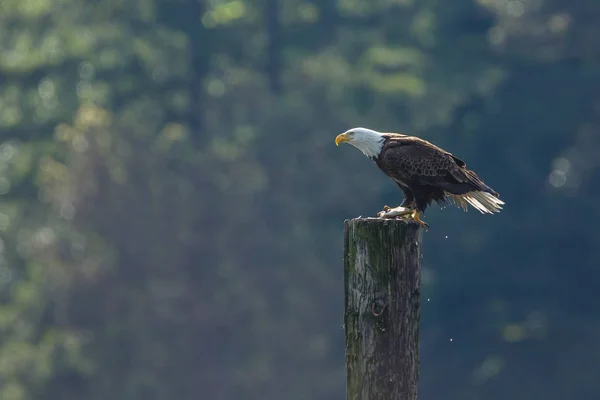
(427, 173)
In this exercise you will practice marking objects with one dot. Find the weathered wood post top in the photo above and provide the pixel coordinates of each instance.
(382, 274)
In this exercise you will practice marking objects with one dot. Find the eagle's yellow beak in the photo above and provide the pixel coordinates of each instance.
(341, 138)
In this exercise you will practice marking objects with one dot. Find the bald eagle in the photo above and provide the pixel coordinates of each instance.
(424, 172)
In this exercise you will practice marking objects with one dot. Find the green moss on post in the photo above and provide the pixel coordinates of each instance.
(382, 273)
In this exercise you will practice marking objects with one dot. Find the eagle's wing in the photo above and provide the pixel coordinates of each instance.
(410, 157)
(414, 160)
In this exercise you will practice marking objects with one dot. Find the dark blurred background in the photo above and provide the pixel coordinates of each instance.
(173, 202)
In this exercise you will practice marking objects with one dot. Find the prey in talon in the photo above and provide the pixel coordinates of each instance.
(389, 212)
(402, 213)
(423, 172)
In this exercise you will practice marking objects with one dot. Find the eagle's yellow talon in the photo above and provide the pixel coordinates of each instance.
(416, 216)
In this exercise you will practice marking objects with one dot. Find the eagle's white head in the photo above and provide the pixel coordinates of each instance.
(366, 140)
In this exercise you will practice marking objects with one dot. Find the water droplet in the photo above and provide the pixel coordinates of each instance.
(428, 300)
(450, 339)
(446, 236)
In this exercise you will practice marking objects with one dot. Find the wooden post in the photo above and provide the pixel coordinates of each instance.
(382, 274)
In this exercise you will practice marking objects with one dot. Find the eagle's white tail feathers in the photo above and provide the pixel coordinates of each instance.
(483, 202)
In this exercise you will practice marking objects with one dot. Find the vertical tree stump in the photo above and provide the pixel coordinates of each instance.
(382, 274)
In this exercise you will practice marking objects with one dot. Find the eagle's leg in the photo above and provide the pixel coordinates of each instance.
(416, 216)
(408, 203)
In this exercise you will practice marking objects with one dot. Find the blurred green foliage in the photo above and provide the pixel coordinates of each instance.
(172, 201)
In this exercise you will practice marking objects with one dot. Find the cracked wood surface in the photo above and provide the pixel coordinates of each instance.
(382, 274)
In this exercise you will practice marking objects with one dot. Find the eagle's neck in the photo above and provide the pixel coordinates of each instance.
(371, 146)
